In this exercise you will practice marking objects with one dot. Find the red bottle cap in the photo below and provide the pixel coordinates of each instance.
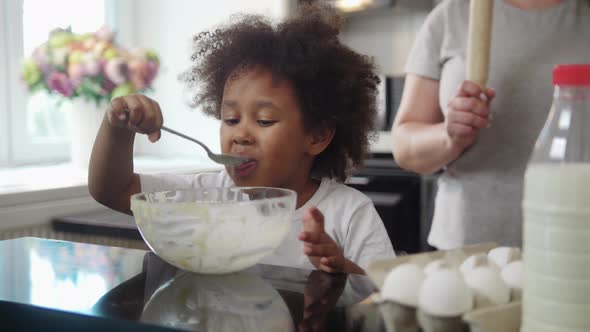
(576, 75)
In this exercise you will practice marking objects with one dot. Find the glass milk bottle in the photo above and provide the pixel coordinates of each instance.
(556, 210)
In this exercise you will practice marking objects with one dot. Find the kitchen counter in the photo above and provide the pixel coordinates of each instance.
(67, 286)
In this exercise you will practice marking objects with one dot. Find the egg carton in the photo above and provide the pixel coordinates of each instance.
(504, 318)
(399, 317)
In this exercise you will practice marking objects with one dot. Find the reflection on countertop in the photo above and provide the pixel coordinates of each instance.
(136, 286)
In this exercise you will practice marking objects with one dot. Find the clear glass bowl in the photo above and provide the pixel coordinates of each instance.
(214, 230)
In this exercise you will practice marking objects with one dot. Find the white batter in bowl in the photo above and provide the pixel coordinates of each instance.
(214, 230)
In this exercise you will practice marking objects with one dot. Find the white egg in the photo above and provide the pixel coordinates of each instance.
(501, 256)
(436, 265)
(488, 287)
(445, 293)
(473, 262)
(402, 284)
(512, 274)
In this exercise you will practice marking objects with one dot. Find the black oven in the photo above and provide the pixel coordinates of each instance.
(397, 197)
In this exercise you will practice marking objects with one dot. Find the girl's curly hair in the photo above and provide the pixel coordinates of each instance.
(335, 86)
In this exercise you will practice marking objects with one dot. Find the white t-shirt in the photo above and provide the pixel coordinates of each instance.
(350, 218)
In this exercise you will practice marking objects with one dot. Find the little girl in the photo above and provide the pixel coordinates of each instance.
(294, 101)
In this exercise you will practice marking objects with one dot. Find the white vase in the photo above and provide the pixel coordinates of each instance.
(84, 119)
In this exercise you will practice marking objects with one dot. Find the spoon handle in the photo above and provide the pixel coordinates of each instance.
(172, 131)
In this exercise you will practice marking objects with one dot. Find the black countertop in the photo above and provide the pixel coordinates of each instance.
(66, 286)
(104, 222)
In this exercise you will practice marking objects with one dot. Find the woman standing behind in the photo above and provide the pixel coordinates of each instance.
(445, 123)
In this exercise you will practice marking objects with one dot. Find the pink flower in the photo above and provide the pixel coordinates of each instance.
(105, 33)
(107, 87)
(152, 71)
(41, 57)
(76, 72)
(92, 67)
(142, 73)
(59, 82)
(137, 73)
(117, 70)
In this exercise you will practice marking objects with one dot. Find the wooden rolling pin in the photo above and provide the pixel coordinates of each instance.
(478, 42)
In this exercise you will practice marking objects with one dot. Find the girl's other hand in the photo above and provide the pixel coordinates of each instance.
(136, 113)
(322, 250)
(467, 113)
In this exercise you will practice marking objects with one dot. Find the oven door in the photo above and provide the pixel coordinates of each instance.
(396, 196)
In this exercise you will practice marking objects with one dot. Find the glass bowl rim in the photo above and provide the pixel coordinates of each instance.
(136, 198)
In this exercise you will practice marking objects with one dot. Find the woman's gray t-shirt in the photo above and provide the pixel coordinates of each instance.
(479, 194)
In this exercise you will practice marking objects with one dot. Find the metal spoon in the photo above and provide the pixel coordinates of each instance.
(224, 159)
(219, 158)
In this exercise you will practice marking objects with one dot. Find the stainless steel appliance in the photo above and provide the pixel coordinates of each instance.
(389, 96)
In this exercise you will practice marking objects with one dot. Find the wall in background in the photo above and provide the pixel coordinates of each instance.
(387, 34)
(168, 27)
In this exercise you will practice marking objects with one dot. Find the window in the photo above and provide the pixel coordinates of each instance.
(32, 127)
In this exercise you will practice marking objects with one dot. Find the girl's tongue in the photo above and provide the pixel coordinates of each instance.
(246, 168)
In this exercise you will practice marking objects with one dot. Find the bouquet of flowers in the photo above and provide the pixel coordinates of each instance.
(91, 66)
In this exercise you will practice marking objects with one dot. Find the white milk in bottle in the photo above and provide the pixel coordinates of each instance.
(556, 211)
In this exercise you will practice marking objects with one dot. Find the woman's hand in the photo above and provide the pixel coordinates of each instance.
(467, 113)
(137, 113)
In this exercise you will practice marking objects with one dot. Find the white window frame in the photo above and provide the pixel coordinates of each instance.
(16, 147)
(4, 102)
(22, 149)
